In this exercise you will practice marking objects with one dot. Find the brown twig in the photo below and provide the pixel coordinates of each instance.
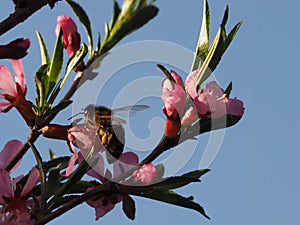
(23, 13)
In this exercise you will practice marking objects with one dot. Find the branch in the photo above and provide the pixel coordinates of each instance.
(102, 190)
(23, 12)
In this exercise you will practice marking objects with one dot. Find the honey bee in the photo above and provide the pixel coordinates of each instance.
(109, 126)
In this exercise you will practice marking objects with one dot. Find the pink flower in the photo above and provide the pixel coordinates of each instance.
(13, 197)
(174, 97)
(106, 203)
(84, 138)
(212, 102)
(70, 34)
(14, 91)
(16, 49)
(10, 150)
(146, 175)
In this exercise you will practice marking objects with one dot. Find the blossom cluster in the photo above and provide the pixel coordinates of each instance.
(210, 102)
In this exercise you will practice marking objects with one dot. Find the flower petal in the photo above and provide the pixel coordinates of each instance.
(191, 83)
(177, 78)
(7, 85)
(174, 95)
(234, 107)
(189, 117)
(72, 161)
(146, 175)
(98, 170)
(5, 184)
(32, 180)
(127, 161)
(4, 106)
(99, 208)
(19, 71)
(10, 150)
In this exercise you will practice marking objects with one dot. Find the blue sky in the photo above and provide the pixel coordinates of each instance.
(255, 177)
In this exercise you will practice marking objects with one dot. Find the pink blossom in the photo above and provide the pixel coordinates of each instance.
(146, 175)
(191, 83)
(85, 139)
(10, 150)
(70, 34)
(16, 49)
(14, 91)
(13, 197)
(106, 203)
(174, 97)
(213, 103)
(7, 83)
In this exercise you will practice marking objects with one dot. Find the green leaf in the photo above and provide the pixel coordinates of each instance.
(140, 18)
(60, 106)
(232, 34)
(60, 161)
(124, 26)
(180, 181)
(74, 61)
(128, 206)
(115, 15)
(52, 154)
(228, 89)
(160, 170)
(214, 55)
(41, 80)
(220, 123)
(42, 174)
(98, 43)
(203, 42)
(84, 19)
(225, 16)
(44, 52)
(172, 198)
(74, 178)
(57, 61)
(80, 187)
(166, 72)
(53, 182)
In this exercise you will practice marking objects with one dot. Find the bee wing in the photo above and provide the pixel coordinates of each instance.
(128, 110)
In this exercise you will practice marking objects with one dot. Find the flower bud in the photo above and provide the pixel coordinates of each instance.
(16, 49)
(70, 34)
(146, 175)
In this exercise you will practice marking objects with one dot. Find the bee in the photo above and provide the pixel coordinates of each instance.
(109, 126)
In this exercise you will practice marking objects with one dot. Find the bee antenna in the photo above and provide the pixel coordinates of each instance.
(75, 115)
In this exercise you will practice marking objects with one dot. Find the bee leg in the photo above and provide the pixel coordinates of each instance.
(104, 139)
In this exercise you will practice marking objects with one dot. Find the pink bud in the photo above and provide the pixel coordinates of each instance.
(70, 34)
(146, 175)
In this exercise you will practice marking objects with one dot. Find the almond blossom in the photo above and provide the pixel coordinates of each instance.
(13, 198)
(183, 105)
(106, 203)
(10, 150)
(16, 206)
(174, 97)
(14, 91)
